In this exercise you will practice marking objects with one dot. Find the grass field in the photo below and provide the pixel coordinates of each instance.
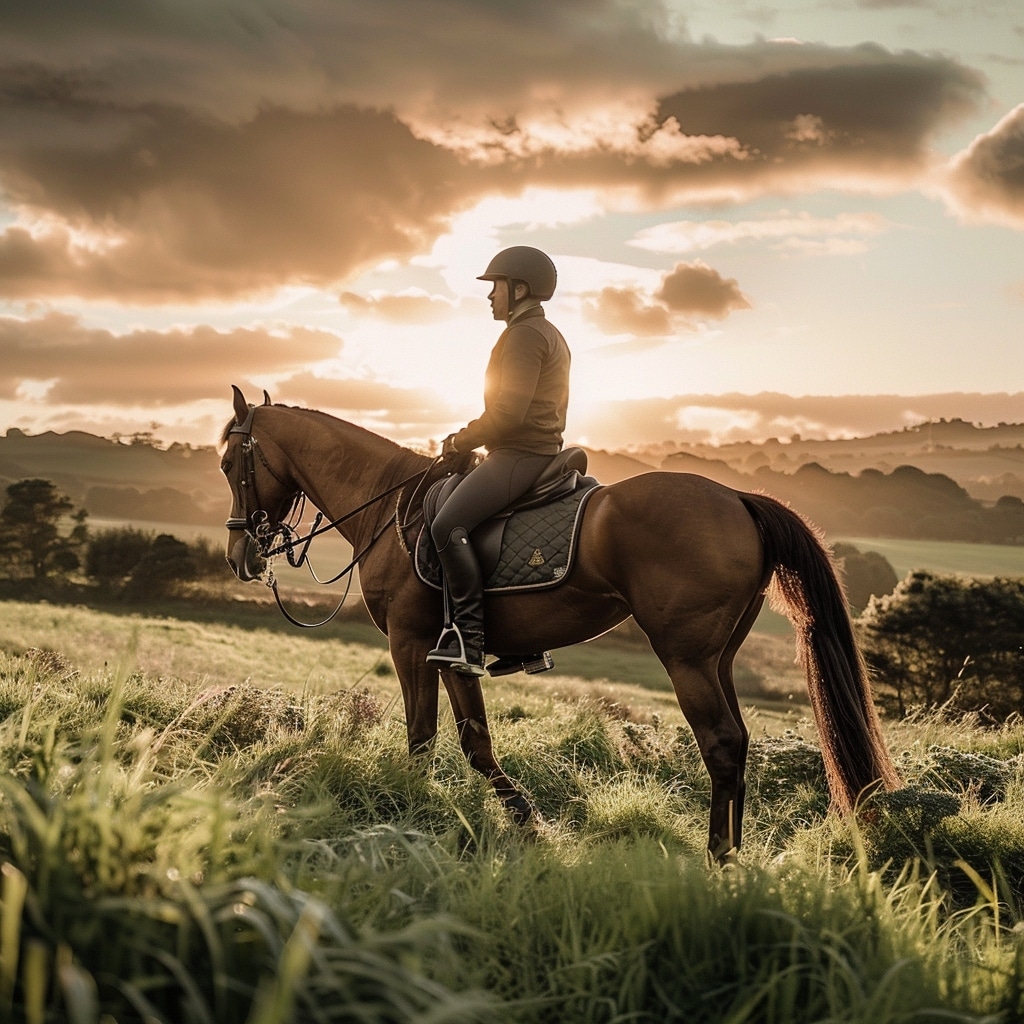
(205, 822)
(945, 557)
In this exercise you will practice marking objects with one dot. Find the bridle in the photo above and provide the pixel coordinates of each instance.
(257, 526)
(255, 523)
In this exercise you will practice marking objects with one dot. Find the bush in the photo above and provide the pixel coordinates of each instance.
(113, 554)
(948, 641)
(143, 565)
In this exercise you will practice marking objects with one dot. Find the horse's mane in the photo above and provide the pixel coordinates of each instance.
(231, 423)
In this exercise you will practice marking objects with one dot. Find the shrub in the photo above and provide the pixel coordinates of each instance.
(948, 641)
(142, 564)
(113, 554)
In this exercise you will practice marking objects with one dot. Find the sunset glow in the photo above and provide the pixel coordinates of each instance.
(795, 219)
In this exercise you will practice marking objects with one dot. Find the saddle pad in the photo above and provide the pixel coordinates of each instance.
(537, 546)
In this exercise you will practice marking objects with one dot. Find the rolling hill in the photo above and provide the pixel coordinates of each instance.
(948, 480)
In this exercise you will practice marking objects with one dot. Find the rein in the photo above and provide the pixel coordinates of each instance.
(296, 549)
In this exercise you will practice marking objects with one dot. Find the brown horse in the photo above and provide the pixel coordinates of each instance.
(689, 559)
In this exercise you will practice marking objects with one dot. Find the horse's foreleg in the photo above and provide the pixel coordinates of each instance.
(467, 699)
(419, 694)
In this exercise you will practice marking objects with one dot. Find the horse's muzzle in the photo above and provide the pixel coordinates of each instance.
(245, 560)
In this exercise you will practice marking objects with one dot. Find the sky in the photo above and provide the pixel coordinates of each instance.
(767, 218)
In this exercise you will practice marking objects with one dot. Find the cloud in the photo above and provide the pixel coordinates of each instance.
(987, 178)
(186, 152)
(695, 289)
(183, 209)
(70, 363)
(415, 308)
(402, 408)
(689, 292)
(623, 311)
(843, 234)
(736, 417)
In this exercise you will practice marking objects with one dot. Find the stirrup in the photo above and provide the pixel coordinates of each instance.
(451, 653)
(531, 664)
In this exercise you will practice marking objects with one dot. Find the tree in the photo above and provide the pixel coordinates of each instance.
(866, 574)
(41, 532)
(945, 640)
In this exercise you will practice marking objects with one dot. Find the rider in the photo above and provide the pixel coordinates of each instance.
(526, 392)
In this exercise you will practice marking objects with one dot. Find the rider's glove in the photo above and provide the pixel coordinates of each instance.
(448, 449)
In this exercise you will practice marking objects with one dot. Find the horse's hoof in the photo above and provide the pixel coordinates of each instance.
(723, 858)
(519, 808)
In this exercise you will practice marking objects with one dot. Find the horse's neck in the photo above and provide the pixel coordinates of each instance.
(340, 466)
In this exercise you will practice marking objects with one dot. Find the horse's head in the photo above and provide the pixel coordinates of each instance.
(262, 492)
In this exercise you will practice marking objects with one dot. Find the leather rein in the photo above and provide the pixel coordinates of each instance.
(256, 524)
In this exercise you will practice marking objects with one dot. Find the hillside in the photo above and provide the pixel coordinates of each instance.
(948, 480)
(988, 462)
(180, 484)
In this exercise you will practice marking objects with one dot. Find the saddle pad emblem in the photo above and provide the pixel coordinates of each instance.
(537, 558)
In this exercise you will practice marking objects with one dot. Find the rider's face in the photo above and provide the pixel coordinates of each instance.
(499, 298)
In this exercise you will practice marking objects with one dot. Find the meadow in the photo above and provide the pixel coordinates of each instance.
(204, 822)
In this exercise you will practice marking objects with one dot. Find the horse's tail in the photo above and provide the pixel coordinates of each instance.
(807, 589)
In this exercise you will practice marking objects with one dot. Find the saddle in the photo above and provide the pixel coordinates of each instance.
(528, 545)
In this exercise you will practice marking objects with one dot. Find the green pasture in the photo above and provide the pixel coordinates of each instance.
(944, 556)
(200, 822)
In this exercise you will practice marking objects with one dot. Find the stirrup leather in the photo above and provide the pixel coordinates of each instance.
(451, 653)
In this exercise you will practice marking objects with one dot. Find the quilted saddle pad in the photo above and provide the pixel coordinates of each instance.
(523, 550)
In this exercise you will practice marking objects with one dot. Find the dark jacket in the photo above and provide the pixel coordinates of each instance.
(526, 390)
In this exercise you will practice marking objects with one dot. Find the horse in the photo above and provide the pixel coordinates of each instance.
(690, 559)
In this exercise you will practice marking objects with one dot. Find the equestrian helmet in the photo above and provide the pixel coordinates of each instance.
(527, 264)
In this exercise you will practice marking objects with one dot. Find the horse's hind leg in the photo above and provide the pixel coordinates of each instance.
(727, 683)
(722, 739)
(467, 700)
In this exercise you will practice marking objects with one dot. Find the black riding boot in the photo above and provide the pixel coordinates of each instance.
(461, 645)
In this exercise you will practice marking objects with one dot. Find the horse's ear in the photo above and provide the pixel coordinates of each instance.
(241, 406)
(266, 397)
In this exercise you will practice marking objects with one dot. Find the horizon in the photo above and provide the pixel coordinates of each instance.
(767, 221)
(883, 425)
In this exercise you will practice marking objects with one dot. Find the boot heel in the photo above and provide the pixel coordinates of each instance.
(451, 652)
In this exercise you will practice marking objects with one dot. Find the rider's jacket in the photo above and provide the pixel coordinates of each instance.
(526, 389)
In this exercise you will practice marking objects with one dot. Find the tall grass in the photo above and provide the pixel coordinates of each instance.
(175, 850)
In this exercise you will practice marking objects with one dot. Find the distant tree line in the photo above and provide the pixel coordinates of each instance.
(906, 503)
(43, 537)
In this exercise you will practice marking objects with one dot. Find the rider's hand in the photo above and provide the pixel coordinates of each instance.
(448, 449)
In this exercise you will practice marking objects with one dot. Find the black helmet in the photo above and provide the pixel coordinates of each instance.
(524, 263)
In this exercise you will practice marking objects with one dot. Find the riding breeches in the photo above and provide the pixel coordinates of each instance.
(505, 475)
